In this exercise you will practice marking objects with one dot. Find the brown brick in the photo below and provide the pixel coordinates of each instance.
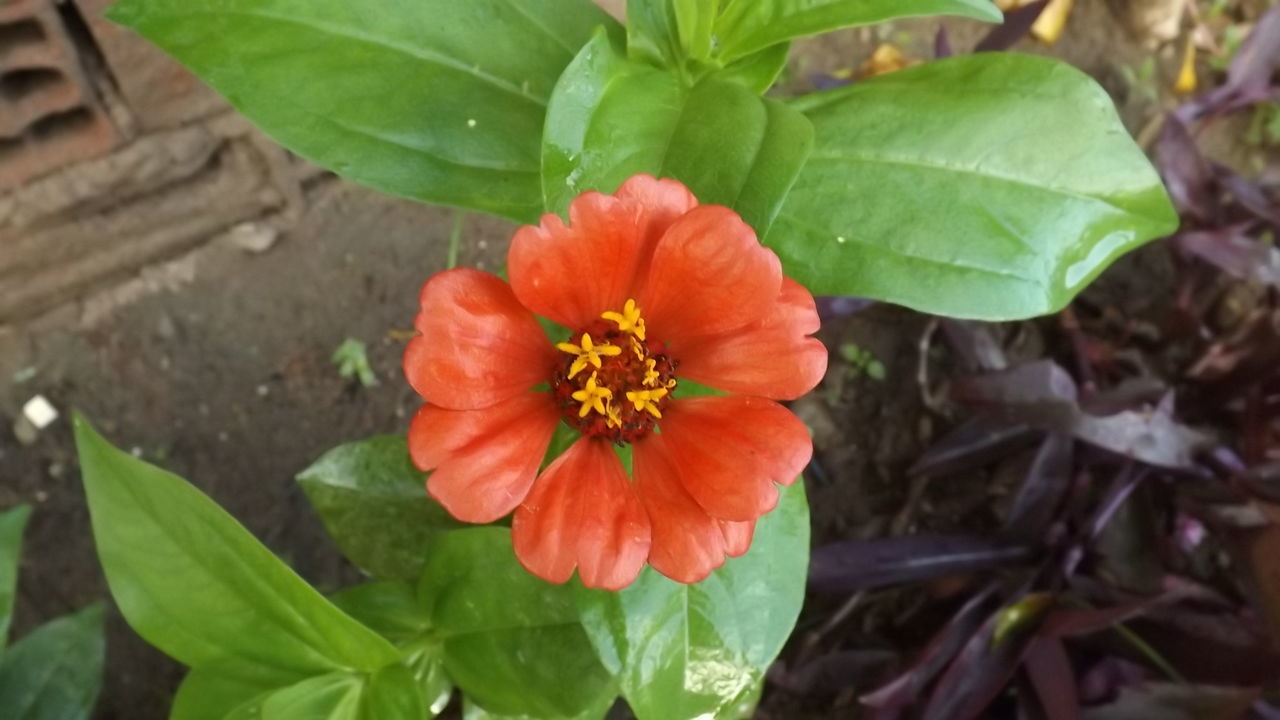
(49, 112)
(160, 92)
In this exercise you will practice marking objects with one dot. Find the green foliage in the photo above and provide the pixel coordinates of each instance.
(352, 359)
(747, 26)
(54, 673)
(685, 651)
(727, 144)
(994, 186)
(435, 100)
(12, 523)
(374, 503)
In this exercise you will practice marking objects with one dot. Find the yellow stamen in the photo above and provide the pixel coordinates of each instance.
(587, 353)
(628, 320)
(647, 400)
(613, 415)
(650, 372)
(593, 397)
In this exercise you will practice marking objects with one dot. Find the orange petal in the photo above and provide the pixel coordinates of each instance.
(582, 512)
(477, 345)
(709, 275)
(687, 543)
(737, 537)
(573, 273)
(661, 203)
(773, 358)
(484, 460)
(730, 451)
(598, 261)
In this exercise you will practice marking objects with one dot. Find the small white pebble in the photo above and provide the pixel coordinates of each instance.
(40, 412)
(41, 496)
(136, 451)
(263, 391)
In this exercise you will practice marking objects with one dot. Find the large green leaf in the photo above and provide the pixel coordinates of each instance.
(692, 651)
(55, 672)
(611, 118)
(393, 610)
(670, 32)
(993, 186)
(436, 100)
(375, 505)
(12, 523)
(747, 26)
(512, 642)
(194, 583)
(214, 692)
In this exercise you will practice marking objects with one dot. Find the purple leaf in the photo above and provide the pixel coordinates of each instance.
(1046, 484)
(942, 44)
(1130, 394)
(1042, 395)
(1229, 250)
(983, 667)
(1186, 173)
(1017, 23)
(974, 343)
(1071, 622)
(1250, 195)
(1103, 680)
(1053, 679)
(834, 306)
(1248, 76)
(907, 687)
(868, 564)
(1176, 702)
(975, 444)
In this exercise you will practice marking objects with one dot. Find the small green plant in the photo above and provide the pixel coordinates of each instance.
(55, 671)
(861, 361)
(352, 359)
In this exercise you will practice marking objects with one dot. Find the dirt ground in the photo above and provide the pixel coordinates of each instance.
(220, 371)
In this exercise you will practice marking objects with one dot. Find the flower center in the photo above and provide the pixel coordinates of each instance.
(613, 383)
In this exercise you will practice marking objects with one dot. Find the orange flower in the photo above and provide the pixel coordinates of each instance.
(657, 290)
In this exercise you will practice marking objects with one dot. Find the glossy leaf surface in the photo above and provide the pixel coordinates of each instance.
(745, 26)
(991, 186)
(435, 100)
(611, 118)
(55, 672)
(686, 651)
(214, 692)
(12, 523)
(375, 504)
(392, 609)
(512, 642)
(195, 584)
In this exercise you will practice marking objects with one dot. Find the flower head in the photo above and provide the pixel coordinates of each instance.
(655, 290)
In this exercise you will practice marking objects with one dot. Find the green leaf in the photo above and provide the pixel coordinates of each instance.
(611, 118)
(747, 26)
(335, 696)
(436, 100)
(472, 711)
(992, 186)
(55, 672)
(12, 523)
(393, 610)
(194, 583)
(214, 692)
(512, 642)
(686, 651)
(670, 33)
(760, 71)
(374, 503)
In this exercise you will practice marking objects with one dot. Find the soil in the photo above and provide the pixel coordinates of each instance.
(224, 377)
